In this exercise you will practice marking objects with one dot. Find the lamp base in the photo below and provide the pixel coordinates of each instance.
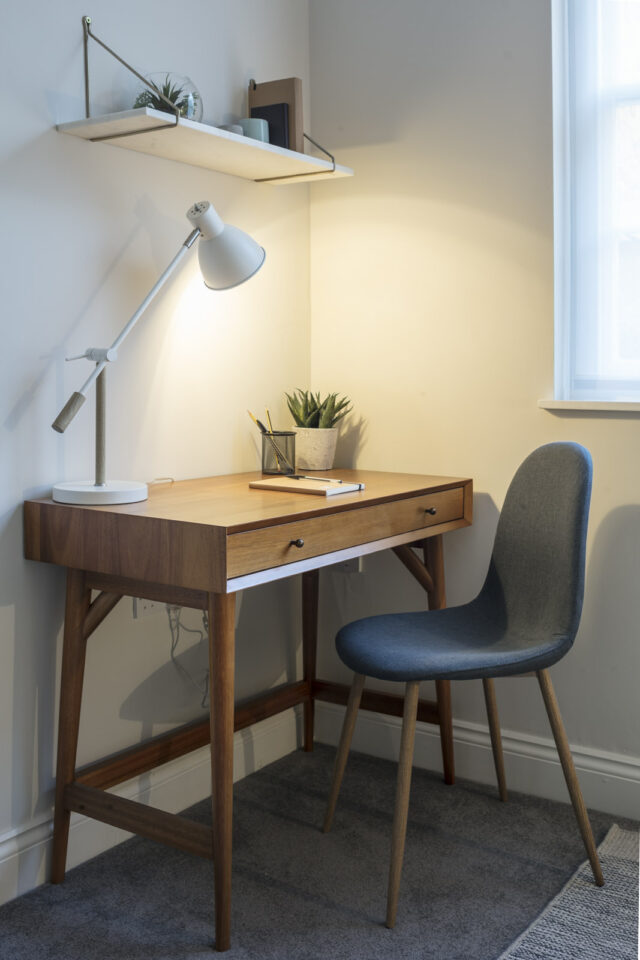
(87, 493)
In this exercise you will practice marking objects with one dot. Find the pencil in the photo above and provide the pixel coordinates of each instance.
(275, 448)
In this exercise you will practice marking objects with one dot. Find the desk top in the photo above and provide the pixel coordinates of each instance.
(200, 533)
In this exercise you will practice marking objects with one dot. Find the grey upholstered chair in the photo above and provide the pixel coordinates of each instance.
(524, 619)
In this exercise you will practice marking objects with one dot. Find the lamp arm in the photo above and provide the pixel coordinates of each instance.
(77, 398)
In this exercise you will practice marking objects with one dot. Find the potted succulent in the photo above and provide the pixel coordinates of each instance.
(178, 90)
(315, 420)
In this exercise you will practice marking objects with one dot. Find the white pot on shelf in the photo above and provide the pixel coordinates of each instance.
(315, 447)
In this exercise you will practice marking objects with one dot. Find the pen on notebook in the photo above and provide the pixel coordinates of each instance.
(301, 476)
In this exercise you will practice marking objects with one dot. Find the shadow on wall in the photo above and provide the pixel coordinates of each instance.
(612, 603)
(36, 591)
(125, 275)
(267, 638)
(25, 166)
(351, 440)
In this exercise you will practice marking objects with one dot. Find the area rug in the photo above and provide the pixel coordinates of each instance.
(585, 922)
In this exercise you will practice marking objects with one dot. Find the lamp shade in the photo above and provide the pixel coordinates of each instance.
(227, 256)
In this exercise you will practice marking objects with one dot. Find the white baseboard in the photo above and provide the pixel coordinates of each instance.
(24, 853)
(610, 782)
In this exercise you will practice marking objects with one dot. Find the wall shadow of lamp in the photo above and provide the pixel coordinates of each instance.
(227, 258)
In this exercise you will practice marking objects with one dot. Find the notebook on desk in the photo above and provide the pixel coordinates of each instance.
(314, 485)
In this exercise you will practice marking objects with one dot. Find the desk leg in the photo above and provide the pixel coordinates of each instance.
(221, 609)
(434, 561)
(73, 658)
(310, 582)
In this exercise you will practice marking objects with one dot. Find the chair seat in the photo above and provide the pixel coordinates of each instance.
(453, 644)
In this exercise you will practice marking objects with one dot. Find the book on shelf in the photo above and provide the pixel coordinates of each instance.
(287, 91)
(277, 116)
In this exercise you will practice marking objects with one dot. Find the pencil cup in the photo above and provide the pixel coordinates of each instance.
(279, 452)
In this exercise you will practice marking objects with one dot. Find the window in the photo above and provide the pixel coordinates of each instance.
(596, 63)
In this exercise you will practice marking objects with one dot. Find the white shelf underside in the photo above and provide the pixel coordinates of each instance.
(203, 146)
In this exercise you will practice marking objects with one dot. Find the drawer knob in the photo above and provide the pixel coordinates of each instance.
(297, 543)
(431, 510)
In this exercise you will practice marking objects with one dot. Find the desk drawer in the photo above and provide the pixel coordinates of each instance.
(268, 547)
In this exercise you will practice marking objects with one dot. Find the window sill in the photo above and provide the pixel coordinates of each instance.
(590, 406)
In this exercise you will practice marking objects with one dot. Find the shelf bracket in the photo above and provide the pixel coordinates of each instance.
(293, 176)
(87, 32)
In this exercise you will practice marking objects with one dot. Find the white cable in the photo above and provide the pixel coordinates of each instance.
(174, 615)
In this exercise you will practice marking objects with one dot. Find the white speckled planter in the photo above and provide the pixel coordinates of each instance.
(315, 448)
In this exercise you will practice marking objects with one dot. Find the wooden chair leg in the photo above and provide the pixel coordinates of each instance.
(445, 720)
(402, 798)
(496, 739)
(569, 770)
(355, 695)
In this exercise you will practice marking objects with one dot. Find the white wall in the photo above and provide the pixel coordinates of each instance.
(432, 307)
(86, 230)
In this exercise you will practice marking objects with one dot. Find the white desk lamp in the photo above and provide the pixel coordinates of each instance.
(227, 257)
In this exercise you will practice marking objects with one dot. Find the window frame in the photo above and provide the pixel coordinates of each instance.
(566, 394)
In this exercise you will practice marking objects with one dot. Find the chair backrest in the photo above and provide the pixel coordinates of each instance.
(536, 576)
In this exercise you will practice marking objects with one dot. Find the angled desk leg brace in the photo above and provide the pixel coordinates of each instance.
(81, 619)
(73, 659)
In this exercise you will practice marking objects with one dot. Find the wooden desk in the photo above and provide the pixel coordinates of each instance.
(195, 543)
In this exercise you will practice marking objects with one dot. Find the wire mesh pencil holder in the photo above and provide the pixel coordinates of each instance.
(279, 452)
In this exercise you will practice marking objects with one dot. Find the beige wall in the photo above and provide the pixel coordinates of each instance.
(432, 307)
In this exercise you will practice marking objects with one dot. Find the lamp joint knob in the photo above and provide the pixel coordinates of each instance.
(97, 354)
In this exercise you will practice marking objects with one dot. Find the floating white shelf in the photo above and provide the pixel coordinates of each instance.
(203, 146)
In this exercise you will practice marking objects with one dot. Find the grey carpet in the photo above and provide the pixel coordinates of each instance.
(587, 923)
(477, 872)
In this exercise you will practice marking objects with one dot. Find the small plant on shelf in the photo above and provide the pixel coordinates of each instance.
(178, 90)
(311, 411)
